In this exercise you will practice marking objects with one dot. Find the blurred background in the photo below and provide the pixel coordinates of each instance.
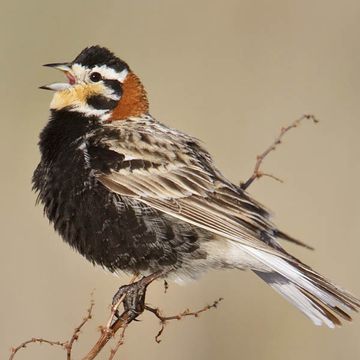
(230, 72)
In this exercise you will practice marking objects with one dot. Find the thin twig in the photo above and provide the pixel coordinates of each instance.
(187, 312)
(260, 158)
(115, 307)
(107, 333)
(67, 345)
(33, 341)
(114, 311)
(75, 335)
(119, 342)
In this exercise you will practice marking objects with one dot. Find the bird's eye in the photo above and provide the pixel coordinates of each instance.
(95, 77)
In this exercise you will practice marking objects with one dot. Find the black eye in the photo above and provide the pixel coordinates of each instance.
(95, 77)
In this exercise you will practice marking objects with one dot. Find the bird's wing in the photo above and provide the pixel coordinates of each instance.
(171, 172)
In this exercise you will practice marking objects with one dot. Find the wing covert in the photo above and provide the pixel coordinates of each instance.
(171, 172)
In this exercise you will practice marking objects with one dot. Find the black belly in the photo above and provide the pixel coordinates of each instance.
(114, 232)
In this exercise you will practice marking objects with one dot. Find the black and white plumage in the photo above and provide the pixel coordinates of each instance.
(131, 194)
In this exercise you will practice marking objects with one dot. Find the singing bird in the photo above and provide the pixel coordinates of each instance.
(131, 194)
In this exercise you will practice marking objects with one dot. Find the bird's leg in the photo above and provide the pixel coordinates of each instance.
(122, 290)
(134, 296)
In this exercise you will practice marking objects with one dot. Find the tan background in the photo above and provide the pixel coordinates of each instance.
(231, 73)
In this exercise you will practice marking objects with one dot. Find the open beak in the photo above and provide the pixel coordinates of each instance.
(66, 68)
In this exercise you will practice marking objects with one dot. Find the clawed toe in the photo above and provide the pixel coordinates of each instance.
(132, 297)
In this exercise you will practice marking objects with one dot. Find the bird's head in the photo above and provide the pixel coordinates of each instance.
(99, 84)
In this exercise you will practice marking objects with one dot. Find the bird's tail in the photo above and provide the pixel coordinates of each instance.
(318, 298)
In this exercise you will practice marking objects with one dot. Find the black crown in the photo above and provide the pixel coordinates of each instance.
(98, 56)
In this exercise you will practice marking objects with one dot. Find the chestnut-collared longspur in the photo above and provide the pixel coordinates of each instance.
(133, 195)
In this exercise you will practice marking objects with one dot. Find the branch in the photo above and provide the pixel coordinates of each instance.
(106, 334)
(75, 335)
(257, 174)
(23, 345)
(119, 342)
(187, 312)
(67, 345)
(132, 297)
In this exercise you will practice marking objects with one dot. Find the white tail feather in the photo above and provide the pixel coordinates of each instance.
(308, 291)
(291, 293)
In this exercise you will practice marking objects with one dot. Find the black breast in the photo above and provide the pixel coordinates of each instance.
(115, 232)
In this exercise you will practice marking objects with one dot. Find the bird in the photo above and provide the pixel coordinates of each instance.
(133, 195)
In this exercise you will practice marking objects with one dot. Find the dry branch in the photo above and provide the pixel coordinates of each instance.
(23, 345)
(257, 174)
(164, 319)
(75, 335)
(119, 342)
(66, 345)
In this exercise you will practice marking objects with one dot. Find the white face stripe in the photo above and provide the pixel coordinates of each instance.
(108, 73)
(82, 73)
(90, 111)
(122, 75)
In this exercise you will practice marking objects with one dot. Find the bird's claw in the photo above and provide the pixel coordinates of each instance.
(132, 297)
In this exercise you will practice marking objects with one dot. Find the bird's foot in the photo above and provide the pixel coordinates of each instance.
(132, 296)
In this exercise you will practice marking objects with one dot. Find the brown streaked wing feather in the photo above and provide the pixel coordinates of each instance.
(200, 213)
(185, 184)
(204, 212)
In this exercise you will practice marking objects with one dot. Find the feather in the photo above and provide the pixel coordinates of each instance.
(309, 291)
(186, 185)
(316, 312)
